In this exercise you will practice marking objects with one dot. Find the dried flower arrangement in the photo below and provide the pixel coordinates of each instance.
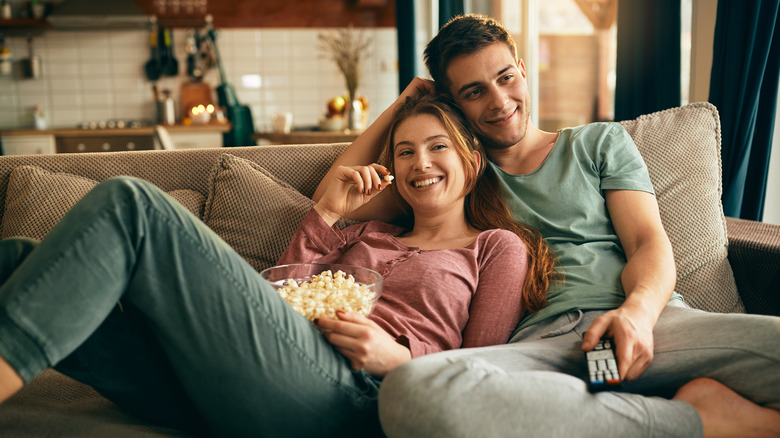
(348, 48)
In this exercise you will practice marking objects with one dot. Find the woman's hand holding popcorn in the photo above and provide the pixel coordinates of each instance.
(351, 187)
(364, 343)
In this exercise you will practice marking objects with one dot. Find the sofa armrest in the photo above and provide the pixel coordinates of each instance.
(754, 254)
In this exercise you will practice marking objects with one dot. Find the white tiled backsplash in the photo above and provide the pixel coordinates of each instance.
(96, 75)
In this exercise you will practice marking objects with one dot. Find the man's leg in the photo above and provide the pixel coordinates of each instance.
(245, 359)
(536, 385)
(738, 354)
(739, 350)
(725, 413)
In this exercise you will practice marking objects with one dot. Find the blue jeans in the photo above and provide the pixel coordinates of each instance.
(133, 295)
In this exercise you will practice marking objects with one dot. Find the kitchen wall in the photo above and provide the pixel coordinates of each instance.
(96, 75)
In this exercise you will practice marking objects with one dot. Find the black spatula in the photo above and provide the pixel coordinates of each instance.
(153, 67)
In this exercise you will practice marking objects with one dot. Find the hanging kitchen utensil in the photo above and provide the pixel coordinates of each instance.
(170, 65)
(163, 48)
(194, 71)
(206, 52)
(31, 65)
(153, 68)
(240, 116)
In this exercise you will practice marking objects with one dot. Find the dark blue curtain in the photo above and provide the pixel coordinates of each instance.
(407, 58)
(406, 27)
(648, 57)
(743, 85)
(449, 9)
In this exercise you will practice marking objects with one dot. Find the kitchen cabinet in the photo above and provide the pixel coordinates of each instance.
(113, 143)
(75, 140)
(275, 13)
(28, 144)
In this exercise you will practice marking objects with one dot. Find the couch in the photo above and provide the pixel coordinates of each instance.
(253, 197)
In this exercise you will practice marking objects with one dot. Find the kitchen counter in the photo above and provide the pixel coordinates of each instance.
(307, 137)
(144, 130)
(73, 140)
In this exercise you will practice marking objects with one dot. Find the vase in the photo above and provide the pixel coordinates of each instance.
(354, 113)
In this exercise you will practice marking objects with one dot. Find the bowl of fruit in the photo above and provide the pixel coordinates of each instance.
(337, 114)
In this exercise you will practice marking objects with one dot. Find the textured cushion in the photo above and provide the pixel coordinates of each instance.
(252, 210)
(37, 199)
(681, 147)
(54, 405)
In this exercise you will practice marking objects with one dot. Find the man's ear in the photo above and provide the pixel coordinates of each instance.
(521, 66)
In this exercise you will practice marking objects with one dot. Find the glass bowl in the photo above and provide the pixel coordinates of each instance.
(357, 291)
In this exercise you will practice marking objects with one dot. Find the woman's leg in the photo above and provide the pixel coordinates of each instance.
(12, 253)
(246, 360)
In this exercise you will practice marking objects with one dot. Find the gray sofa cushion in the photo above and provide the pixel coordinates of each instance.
(252, 210)
(681, 147)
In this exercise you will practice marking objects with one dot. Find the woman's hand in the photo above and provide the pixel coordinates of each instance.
(364, 343)
(350, 188)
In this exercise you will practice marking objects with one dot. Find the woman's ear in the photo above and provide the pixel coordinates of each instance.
(477, 158)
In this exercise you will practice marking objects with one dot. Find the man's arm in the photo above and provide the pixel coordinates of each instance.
(366, 149)
(648, 280)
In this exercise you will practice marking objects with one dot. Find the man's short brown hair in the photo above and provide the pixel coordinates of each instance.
(462, 35)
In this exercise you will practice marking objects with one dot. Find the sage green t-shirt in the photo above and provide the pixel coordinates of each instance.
(564, 200)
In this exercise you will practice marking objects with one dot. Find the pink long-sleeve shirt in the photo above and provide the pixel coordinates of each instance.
(432, 300)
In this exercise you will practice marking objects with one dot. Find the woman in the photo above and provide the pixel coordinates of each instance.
(200, 342)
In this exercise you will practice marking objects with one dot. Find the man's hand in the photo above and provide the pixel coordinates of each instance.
(364, 343)
(417, 86)
(350, 188)
(648, 280)
(632, 332)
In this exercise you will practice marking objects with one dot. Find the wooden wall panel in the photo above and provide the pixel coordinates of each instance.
(567, 80)
(279, 13)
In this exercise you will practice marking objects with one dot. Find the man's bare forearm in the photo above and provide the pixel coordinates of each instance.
(363, 151)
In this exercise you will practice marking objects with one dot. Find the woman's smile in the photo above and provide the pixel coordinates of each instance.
(426, 182)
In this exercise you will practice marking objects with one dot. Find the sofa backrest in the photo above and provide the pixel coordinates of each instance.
(301, 166)
(681, 147)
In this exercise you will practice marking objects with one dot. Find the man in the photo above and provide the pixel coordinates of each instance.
(587, 190)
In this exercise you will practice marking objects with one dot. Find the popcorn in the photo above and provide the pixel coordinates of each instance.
(326, 293)
(388, 178)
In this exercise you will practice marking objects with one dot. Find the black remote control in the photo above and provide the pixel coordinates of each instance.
(603, 372)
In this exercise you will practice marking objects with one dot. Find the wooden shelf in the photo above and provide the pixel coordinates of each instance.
(23, 26)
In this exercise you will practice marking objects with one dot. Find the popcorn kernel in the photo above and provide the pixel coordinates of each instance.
(326, 293)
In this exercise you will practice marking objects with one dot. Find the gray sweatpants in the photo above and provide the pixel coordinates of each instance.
(534, 386)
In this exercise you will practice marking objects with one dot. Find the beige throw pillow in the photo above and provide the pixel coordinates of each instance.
(252, 210)
(37, 199)
(681, 147)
